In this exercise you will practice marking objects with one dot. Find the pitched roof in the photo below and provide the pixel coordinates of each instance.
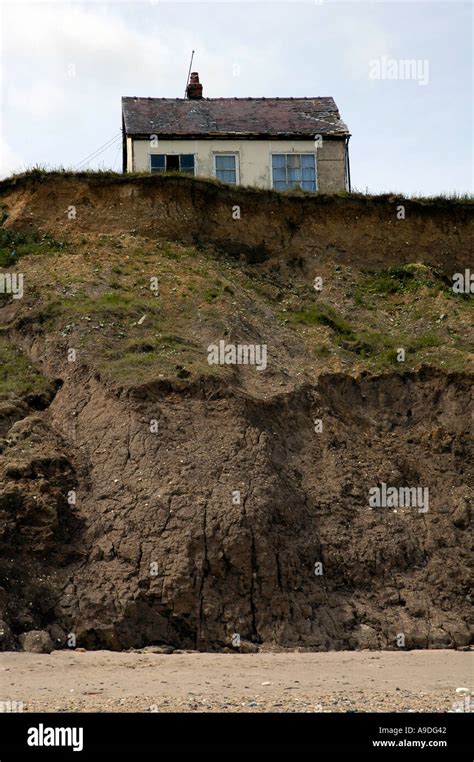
(222, 117)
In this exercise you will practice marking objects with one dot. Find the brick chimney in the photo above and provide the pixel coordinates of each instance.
(194, 89)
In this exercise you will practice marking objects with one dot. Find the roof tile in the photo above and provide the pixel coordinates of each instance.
(220, 117)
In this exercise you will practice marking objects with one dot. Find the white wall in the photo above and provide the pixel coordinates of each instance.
(254, 158)
(130, 155)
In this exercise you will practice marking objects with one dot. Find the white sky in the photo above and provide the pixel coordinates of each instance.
(66, 65)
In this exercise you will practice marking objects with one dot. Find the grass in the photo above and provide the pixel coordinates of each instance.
(159, 355)
(176, 252)
(40, 173)
(213, 292)
(456, 196)
(17, 375)
(374, 348)
(398, 279)
(14, 245)
(375, 343)
(96, 295)
(323, 314)
(172, 342)
(151, 343)
(121, 305)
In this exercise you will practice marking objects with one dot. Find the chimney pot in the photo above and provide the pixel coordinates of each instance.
(194, 88)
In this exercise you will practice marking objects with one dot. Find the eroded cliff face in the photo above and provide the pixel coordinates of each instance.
(213, 524)
(258, 227)
(147, 498)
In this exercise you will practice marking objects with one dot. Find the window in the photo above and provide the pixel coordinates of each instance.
(294, 170)
(226, 167)
(186, 163)
(157, 162)
(161, 162)
(172, 163)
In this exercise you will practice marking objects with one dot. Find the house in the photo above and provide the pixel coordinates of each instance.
(278, 143)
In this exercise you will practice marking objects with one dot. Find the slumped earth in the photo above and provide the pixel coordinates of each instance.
(149, 498)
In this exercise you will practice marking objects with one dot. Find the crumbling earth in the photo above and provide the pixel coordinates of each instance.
(206, 511)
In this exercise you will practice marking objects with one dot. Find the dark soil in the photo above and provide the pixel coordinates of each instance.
(155, 546)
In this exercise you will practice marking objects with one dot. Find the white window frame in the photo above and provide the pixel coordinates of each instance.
(296, 153)
(160, 153)
(236, 155)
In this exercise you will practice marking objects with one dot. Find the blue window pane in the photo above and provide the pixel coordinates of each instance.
(225, 162)
(307, 160)
(279, 174)
(187, 161)
(294, 174)
(278, 160)
(226, 175)
(293, 161)
(157, 161)
(294, 170)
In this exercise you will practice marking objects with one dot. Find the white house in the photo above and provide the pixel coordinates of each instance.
(278, 143)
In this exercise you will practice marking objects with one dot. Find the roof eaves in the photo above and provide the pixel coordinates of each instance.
(245, 135)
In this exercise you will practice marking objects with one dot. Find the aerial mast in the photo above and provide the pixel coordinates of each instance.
(189, 73)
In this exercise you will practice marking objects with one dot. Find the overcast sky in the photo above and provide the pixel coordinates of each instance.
(66, 65)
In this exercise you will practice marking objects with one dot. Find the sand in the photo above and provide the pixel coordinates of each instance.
(106, 681)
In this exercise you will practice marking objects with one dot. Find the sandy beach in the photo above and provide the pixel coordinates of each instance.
(106, 681)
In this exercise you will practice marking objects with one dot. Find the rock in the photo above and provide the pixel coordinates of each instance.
(247, 647)
(461, 635)
(3, 599)
(415, 606)
(439, 638)
(366, 637)
(6, 637)
(58, 635)
(462, 516)
(157, 650)
(36, 642)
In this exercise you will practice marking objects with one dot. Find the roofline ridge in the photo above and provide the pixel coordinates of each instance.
(231, 98)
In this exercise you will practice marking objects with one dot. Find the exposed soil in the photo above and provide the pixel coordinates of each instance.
(274, 230)
(248, 568)
(156, 547)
